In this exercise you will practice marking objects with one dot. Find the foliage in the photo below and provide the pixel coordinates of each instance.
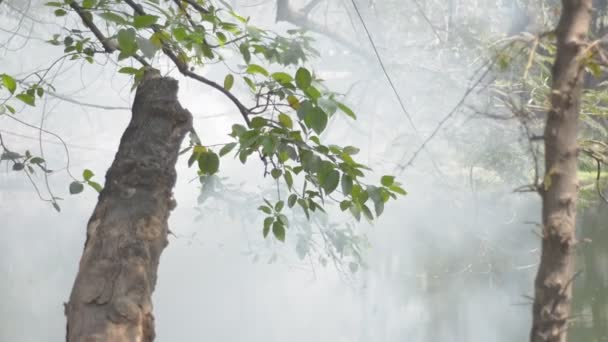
(284, 127)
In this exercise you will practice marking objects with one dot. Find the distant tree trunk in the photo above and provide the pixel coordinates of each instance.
(111, 298)
(553, 284)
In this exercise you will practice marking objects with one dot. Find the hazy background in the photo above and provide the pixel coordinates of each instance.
(449, 262)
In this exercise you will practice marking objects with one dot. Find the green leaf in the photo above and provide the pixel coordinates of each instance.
(279, 231)
(269, 144)
(303, 78)
(113, 17)
(228, 82)
(265, 209)
(312, 93)
(27, 98)
(351, 150)
(159, 37)
(293, 102)
(279, 206)
(345, 205)
(258, 122)
(256, 69)
(89, 3)
(36, 160)
(250, 83)
(387, 180)
(367, 213)
(288, 179)
(56, 206)
(208, 162)
(282, 77)
(142, 21)
(244, 48)
(375, 195)
(276, 173)
(346, 110)
(397, 189)
(283, 220)
(60, 12)
(126, 41)
(128, 70)
(267, 223)
(95, 186)
(221, 37)
(18, 166)
(76, 187)
(331, 181)
(87, 174)
(180, 34)
(285, 120)
(227, 148)
(347, 184)
(291, 201)
(9, 83)
(316, 119)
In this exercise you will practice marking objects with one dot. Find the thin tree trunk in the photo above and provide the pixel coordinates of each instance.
(553, 284)
(112, 296)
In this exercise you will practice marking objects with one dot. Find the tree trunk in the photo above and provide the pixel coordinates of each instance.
(553, 284)
(112, 295)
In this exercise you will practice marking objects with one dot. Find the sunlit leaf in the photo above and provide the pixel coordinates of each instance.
(143, 21)
(285, 120)
(303, 78)
(228, 82)
(256, 69)
(387, 180)
(208, 162)
(346, 110)
(9, 83)
(27, 99)
(87, 174)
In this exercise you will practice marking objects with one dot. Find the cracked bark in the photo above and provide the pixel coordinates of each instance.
(112, 295)
(553, 284)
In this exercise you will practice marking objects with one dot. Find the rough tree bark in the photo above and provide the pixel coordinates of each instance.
(111, 298)
(553, 284)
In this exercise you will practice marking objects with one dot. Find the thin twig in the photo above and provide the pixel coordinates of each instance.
(185, 70)
(390, 81)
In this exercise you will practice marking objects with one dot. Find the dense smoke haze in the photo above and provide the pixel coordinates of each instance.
(454, 260)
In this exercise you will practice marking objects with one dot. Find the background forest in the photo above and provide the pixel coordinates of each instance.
(450, 98)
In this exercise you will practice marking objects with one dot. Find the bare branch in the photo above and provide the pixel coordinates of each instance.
(185, 70)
